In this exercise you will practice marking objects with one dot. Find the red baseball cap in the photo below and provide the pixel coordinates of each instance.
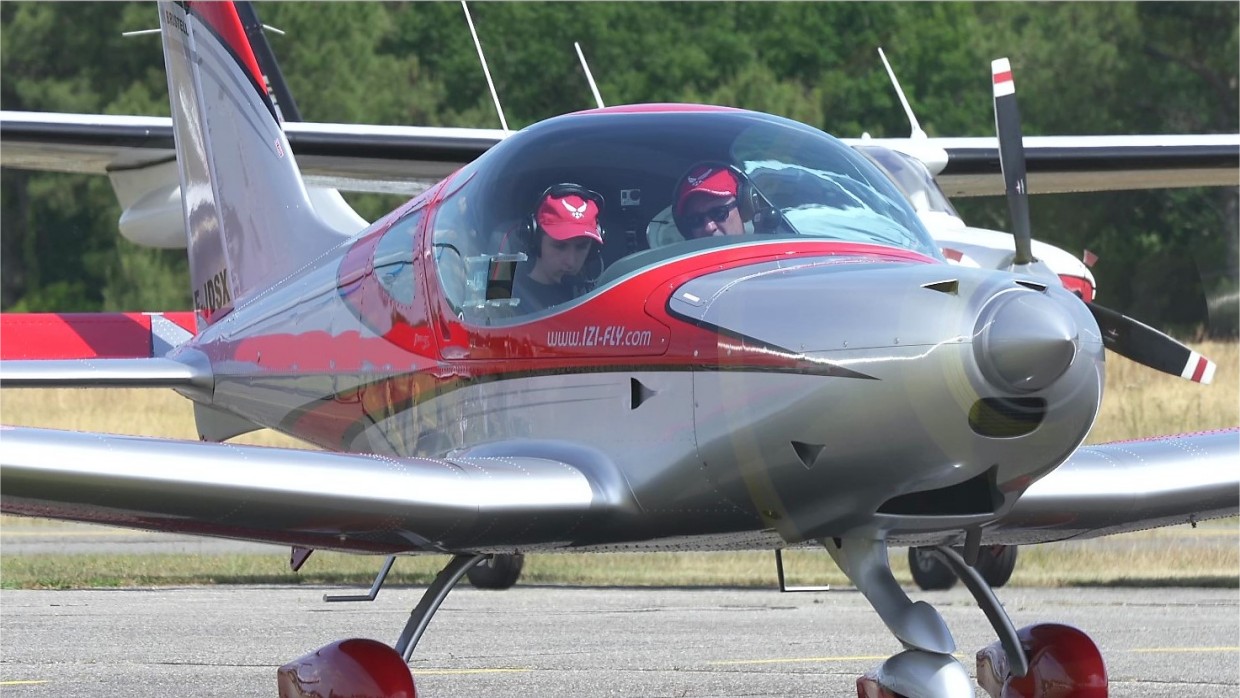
(569, 216)
(705, 179)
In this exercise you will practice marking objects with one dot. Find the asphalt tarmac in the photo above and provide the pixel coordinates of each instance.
(556, 641)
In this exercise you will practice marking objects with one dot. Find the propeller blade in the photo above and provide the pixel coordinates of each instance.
(1147, 346)
(1012, 158)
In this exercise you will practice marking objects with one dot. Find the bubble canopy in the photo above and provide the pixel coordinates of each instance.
(794, 181)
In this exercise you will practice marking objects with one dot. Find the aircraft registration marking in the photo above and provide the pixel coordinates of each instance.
(214, 293)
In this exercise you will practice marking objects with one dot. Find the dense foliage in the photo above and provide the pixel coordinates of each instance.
(1082, 68)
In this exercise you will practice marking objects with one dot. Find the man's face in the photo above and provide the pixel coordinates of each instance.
(560, 258)
(712, 215)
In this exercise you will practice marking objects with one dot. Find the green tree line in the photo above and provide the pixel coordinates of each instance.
(1081, 68)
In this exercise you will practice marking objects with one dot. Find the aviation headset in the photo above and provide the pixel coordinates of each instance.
(529, 233)
(749, 201)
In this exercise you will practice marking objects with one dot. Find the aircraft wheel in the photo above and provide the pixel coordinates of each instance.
(1063, 661)
(929, 572)
(496, 572)
(995, 563)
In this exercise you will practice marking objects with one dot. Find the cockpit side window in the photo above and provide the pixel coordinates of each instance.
(455, 240)
(394, 255)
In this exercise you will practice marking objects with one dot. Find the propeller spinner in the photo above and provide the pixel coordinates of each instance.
(1120, 333)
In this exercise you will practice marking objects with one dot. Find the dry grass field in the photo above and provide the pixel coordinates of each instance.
(1138, 403)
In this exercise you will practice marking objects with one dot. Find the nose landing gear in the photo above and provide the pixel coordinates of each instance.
(1038, 661)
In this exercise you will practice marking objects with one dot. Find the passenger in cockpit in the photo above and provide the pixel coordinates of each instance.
(706, 203)
(560, 235)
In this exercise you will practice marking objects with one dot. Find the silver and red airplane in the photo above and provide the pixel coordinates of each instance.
(825, 378)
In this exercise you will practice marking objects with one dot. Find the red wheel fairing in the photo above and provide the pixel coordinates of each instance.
(1063, 663)
(356, 668)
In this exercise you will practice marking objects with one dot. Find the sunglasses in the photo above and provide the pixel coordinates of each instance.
(718, 214)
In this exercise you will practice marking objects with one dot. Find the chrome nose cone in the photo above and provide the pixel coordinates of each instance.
(1025, 341)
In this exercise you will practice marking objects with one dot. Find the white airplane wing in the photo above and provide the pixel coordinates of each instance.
(396, 159)
(1062, 164)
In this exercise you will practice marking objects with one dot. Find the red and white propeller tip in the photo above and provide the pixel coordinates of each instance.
(1001, 72)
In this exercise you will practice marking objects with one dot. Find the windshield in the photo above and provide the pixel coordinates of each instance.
(627, 189)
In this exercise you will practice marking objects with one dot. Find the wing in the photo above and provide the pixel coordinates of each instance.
(314, 499)
(383, 159)
(1060, 164)
(398, 159)
(1129, 486)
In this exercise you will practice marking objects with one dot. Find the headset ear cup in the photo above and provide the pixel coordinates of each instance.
(744, 200)
(529, 239)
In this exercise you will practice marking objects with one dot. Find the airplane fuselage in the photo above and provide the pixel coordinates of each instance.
(775, 390)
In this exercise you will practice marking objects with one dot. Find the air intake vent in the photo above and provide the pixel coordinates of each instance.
(951, 287)
(638, 393)
(1005, 418)
(976, 495)
(808, 453)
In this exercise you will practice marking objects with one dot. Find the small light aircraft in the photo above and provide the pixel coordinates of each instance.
(824, 378)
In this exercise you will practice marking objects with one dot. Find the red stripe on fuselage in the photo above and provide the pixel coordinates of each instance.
(639, 304)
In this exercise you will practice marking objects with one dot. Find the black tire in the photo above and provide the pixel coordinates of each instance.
(496, 572)
(929, 571)
(995, 563)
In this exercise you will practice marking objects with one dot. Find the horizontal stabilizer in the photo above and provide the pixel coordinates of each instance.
(315, 499)
(92, 335)
(97, 350)
(1129, 486)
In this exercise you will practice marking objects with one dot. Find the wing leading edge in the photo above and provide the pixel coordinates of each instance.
(315, 499)
(1129, 486)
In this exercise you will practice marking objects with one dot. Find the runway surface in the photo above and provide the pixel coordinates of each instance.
(554, 641)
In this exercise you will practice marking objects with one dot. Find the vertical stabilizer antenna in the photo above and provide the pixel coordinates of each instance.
(912, 120)
(485, 70)
(598, 99)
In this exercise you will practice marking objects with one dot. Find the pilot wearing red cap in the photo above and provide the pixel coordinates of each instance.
(562, 233)
(706, 203)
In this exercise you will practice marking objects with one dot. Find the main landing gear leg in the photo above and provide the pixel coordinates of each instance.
(926, 668)
(421, 614)
(368, 668)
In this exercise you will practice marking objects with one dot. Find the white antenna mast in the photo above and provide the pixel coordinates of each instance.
(144, 32)
(917, 132)
(598, 99)
(486, 71)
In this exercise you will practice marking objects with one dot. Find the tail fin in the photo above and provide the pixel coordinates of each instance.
(248, 217)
